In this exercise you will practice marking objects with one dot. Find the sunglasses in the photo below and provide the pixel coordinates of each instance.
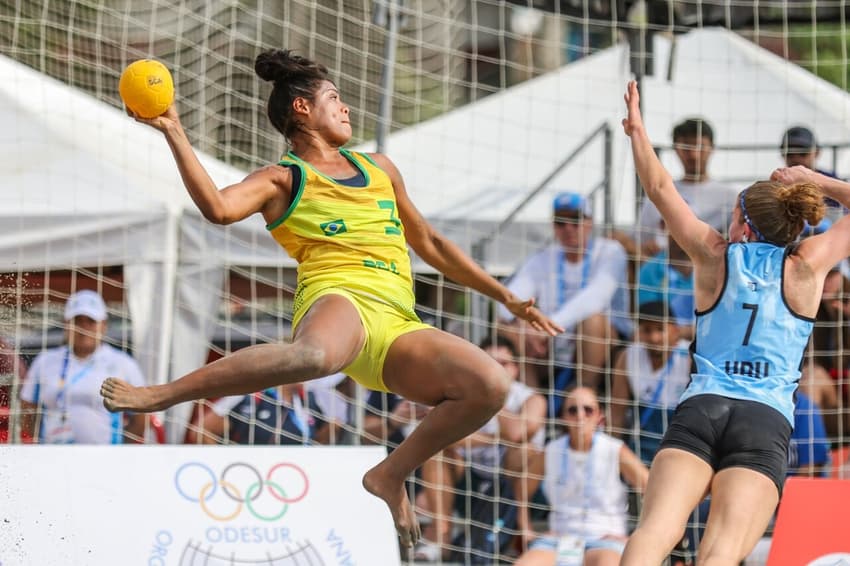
(568, 220)
(572, 410)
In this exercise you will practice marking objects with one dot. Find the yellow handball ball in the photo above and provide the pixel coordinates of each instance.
(146, 87)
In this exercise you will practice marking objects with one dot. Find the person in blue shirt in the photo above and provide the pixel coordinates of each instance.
(809, 451)
(278, 415)
(668, 277)
(756, 297)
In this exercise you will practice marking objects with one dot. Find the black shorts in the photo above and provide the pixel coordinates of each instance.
(730, 433)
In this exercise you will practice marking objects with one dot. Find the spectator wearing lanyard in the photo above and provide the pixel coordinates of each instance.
(280, 415)
(579, 281)
(586, 478)
(60, 397)
(649, 377)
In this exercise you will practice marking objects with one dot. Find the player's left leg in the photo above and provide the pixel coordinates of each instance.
(466, 387)
(677, 483)
(742, 503)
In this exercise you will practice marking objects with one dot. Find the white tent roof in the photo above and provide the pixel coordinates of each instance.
(480, 161)
(85, 185)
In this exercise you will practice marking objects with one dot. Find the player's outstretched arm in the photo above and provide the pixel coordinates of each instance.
(448, 258)
(835, 189)
(691, 233)
(261, 191)
(822, 251)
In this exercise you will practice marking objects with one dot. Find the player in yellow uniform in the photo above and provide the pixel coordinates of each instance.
(347, 219)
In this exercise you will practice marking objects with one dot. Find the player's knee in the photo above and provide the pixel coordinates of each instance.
(494, 390)
(668, 535)
(315, 361)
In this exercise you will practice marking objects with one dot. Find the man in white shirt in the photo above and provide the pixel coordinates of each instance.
(712, 201)
(60, 396)
(580, 282)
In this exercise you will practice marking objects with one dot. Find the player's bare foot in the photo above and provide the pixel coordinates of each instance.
(395, 496)
(119, 395)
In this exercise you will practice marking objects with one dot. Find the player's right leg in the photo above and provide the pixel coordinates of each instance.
(464, 385)
(678, 481)
(328, 338)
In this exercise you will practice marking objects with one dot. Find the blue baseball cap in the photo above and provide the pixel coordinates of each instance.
(571, 203)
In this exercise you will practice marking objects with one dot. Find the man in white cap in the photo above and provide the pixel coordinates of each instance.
(60, 396)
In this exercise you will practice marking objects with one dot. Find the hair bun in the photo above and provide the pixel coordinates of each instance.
(273, 65)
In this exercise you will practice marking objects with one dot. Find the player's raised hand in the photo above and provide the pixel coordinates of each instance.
(163, 122)
(633, 119)
(526, 310)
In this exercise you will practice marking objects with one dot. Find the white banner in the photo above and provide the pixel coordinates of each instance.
(191, 505)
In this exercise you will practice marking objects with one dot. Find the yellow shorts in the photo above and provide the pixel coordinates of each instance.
(382, 323)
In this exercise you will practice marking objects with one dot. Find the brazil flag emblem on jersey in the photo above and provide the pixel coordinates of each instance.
(333, 227)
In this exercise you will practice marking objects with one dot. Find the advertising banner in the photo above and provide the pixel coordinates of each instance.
(191, 505)
(813, 524)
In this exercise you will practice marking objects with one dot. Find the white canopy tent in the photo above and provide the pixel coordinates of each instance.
(83, 185)
(469, 168)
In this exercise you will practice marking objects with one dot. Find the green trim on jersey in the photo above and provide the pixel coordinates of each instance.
(298, 193)
(368, 158)
(345, 153)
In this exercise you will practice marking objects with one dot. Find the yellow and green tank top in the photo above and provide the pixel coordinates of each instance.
(347, 237)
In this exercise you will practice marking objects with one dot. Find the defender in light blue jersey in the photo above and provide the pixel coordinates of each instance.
(756, 296)
(749, 345)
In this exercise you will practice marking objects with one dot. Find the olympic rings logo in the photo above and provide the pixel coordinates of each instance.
(197, 483)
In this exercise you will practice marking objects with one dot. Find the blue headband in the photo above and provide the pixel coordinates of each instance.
(749, 220)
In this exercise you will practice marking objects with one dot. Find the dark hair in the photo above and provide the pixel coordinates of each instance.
(653, 311)
(693, 127)
(293, 76)
(779, 212)
(499, 342)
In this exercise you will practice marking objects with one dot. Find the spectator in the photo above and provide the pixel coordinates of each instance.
(60, 398)
(334, 395)
(12, 371)
(800, 147)
(668, 276)
(390, 419)
(281, 415)
(712, 201)
(825, 375)
(506, 443)
(578, 281)
(583, 479)
(654, 370)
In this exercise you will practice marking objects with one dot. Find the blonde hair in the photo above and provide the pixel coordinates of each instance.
(777, 213)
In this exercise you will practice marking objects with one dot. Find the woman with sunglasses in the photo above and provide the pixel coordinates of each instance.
(583, 479)
(756, 297)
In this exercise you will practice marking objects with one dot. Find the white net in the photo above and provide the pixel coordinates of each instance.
(494, 108)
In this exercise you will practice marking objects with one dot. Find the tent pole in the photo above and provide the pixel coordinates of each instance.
(169, 276)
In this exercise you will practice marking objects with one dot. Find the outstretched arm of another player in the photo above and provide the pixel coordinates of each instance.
(448, 258)
(265, 190)
(694, 236)
(822, 251)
